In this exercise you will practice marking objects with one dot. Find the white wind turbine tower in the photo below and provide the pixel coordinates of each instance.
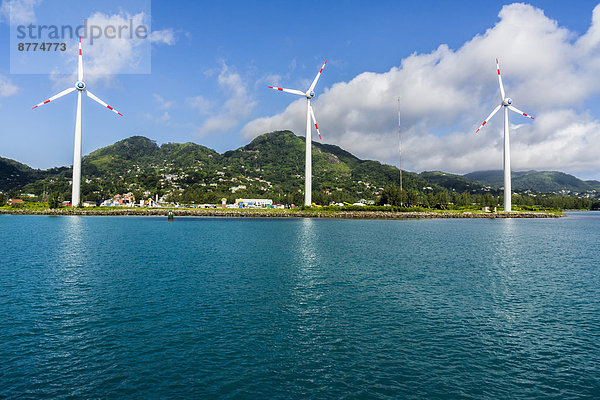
(309, 94)
(81, 88)
(506, 103)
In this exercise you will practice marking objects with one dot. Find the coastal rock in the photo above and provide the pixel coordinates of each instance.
(239, 213)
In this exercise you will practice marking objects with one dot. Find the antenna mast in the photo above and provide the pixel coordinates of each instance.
(400, 150)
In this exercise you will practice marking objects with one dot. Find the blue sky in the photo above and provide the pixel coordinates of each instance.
(211, 63)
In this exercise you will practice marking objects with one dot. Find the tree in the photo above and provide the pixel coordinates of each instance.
(13, 194)
(337, 196)
(54, 200)
(464, 199)
(489, 200)
(319, 197)
(2, 199)
(412, 198)
(391, 195)
(442, 199)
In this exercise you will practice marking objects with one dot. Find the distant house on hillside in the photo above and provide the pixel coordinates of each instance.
(148, 203)
(236, 188)
(10, 202)
(126, 200)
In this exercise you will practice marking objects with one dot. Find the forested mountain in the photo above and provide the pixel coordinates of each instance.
(458, 183)
(272, 166)
(14, 174)
(537, 181)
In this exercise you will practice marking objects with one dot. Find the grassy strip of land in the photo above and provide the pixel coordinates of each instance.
(302, 212)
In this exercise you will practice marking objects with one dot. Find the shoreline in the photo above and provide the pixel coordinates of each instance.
(253, 213)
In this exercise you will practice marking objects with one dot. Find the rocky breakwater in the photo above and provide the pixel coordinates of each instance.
(244, 213)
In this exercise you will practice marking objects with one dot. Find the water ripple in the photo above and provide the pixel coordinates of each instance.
(235, 308)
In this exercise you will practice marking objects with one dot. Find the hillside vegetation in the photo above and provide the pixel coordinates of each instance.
(536, 181)
(272, 166)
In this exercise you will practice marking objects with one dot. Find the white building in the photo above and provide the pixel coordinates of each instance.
(253, 203)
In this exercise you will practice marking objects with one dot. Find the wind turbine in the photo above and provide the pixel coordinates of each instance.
(506, 103)
(81, 88)
(309, 94)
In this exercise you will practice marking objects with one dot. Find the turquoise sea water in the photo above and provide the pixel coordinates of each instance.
(138, 307)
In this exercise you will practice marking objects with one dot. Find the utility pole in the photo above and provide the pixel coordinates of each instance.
(400, 150)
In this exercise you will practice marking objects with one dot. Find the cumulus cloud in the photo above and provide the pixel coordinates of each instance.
(238, 106)
(6, 87)
(561, 138)
(122, 54)
(119, 55)
(548, 70)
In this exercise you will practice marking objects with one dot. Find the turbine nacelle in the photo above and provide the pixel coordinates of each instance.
(80, 85)
(310, 94)
(507, 101)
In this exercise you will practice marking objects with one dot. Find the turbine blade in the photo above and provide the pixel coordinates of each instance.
(293, 91)
(80, 63)
(312, 114)
(515, 109)
(91, 96)
(500, 80)
(56, 96)
(314, 82)
(488, 118)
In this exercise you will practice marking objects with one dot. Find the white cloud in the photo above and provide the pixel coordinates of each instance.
(199, 103)
(166, 36)
(277, 80)
(162, 103)
(107, 57)
(164, 117)
(119, 55)
(18, 12)
(239, 105)
(561, 139)
(161, 119)
(270, 80)
(7, 88)
(549, 71)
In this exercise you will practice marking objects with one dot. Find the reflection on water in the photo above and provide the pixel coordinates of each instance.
(504, 269)
(307, 293)
(515, 280)
(72, 242)
(506, 248)
(294, 308)
(307, 244)
(71, 269)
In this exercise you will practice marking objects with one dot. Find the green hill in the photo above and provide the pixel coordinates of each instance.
(457, 183)
(537, 181)
(277, 159)
(271, 165)
(13, 174)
